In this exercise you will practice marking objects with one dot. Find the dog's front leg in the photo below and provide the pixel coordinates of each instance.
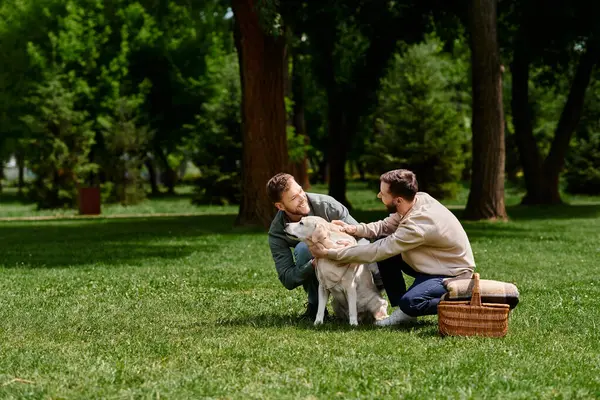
(323, 298)
(352, 308)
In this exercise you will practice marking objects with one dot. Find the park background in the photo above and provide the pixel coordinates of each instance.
(176, 113)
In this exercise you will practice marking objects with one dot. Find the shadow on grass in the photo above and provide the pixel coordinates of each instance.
(515, 213)
(112, 241)
(74, 242)
(489, 230)
(10, 196)
(500, 230)
(549, 212)
(562, 211)
(332, 325)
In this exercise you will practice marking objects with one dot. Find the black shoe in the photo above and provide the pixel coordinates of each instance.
(311, 312)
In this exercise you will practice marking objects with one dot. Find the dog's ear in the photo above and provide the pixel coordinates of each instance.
(319, 234)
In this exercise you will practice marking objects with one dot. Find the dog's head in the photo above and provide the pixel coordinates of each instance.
(310, 228)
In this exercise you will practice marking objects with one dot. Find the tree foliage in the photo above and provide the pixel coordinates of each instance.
(215, 138)
(422, 124)
(100, 92)
(60, 141)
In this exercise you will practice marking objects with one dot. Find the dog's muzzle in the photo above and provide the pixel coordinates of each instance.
(290, 235)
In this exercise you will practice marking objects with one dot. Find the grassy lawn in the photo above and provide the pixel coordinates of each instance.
(11, 206)
(187, 307)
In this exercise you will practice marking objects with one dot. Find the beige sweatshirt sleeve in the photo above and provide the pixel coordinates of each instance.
(406, 237)
(385, 227)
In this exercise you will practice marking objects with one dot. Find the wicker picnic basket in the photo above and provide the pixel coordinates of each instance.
(473, 318)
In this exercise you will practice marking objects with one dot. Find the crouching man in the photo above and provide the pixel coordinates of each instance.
(293, 260)
(421, 238)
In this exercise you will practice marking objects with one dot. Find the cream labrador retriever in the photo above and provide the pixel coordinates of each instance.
(355, 295)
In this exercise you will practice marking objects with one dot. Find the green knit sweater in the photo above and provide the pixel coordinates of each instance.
(290, 274)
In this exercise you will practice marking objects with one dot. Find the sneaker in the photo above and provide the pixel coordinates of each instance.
(396, 318)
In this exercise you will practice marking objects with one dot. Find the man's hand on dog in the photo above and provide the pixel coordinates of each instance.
(319, 251)
(349, 229)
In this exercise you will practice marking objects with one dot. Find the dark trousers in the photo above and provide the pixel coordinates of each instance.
(421, 298)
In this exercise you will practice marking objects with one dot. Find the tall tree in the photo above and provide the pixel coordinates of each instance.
(300, 167)
(177, 63)
(21, 23)
(352, 42)
(262, 56)
(486, 198)
(575, 42)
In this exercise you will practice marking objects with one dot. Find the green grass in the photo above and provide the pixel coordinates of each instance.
(188, 307)
(12, 206)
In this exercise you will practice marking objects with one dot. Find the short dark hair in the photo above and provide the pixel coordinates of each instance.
(403, 183)
(277, 185)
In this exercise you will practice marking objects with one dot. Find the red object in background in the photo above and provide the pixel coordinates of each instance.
(89, 201)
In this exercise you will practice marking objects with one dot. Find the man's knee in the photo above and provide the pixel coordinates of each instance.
(302, 254)
(417, 306)
(408, 305)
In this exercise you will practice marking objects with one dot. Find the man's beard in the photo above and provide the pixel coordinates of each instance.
(298, 213)
(391, 208)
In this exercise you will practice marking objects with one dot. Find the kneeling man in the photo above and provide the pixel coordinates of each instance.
(293, 260)
(421, 237)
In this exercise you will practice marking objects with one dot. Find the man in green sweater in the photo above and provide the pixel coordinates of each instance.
(293, 260)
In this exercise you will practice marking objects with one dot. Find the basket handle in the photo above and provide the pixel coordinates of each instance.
(476, 295)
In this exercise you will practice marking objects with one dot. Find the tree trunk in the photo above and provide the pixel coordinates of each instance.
(338, 149)
(486, 197)
(337, 125)
(542, 178)
(323, 174)
(569, 119)
(264, 141)
(529, 153)
(170, 179)
(152, 176)
(21, 167)
(338, 129)
(170, 175)
(361, 171)
(300, 168)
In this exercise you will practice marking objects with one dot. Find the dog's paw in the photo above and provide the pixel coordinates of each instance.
(379, 315)
(318, 321)
(354, 322)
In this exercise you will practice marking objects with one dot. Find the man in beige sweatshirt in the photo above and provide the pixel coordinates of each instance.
(421, 237)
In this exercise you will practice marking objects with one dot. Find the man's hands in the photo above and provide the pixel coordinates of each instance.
(349, 229)
(317, 250)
